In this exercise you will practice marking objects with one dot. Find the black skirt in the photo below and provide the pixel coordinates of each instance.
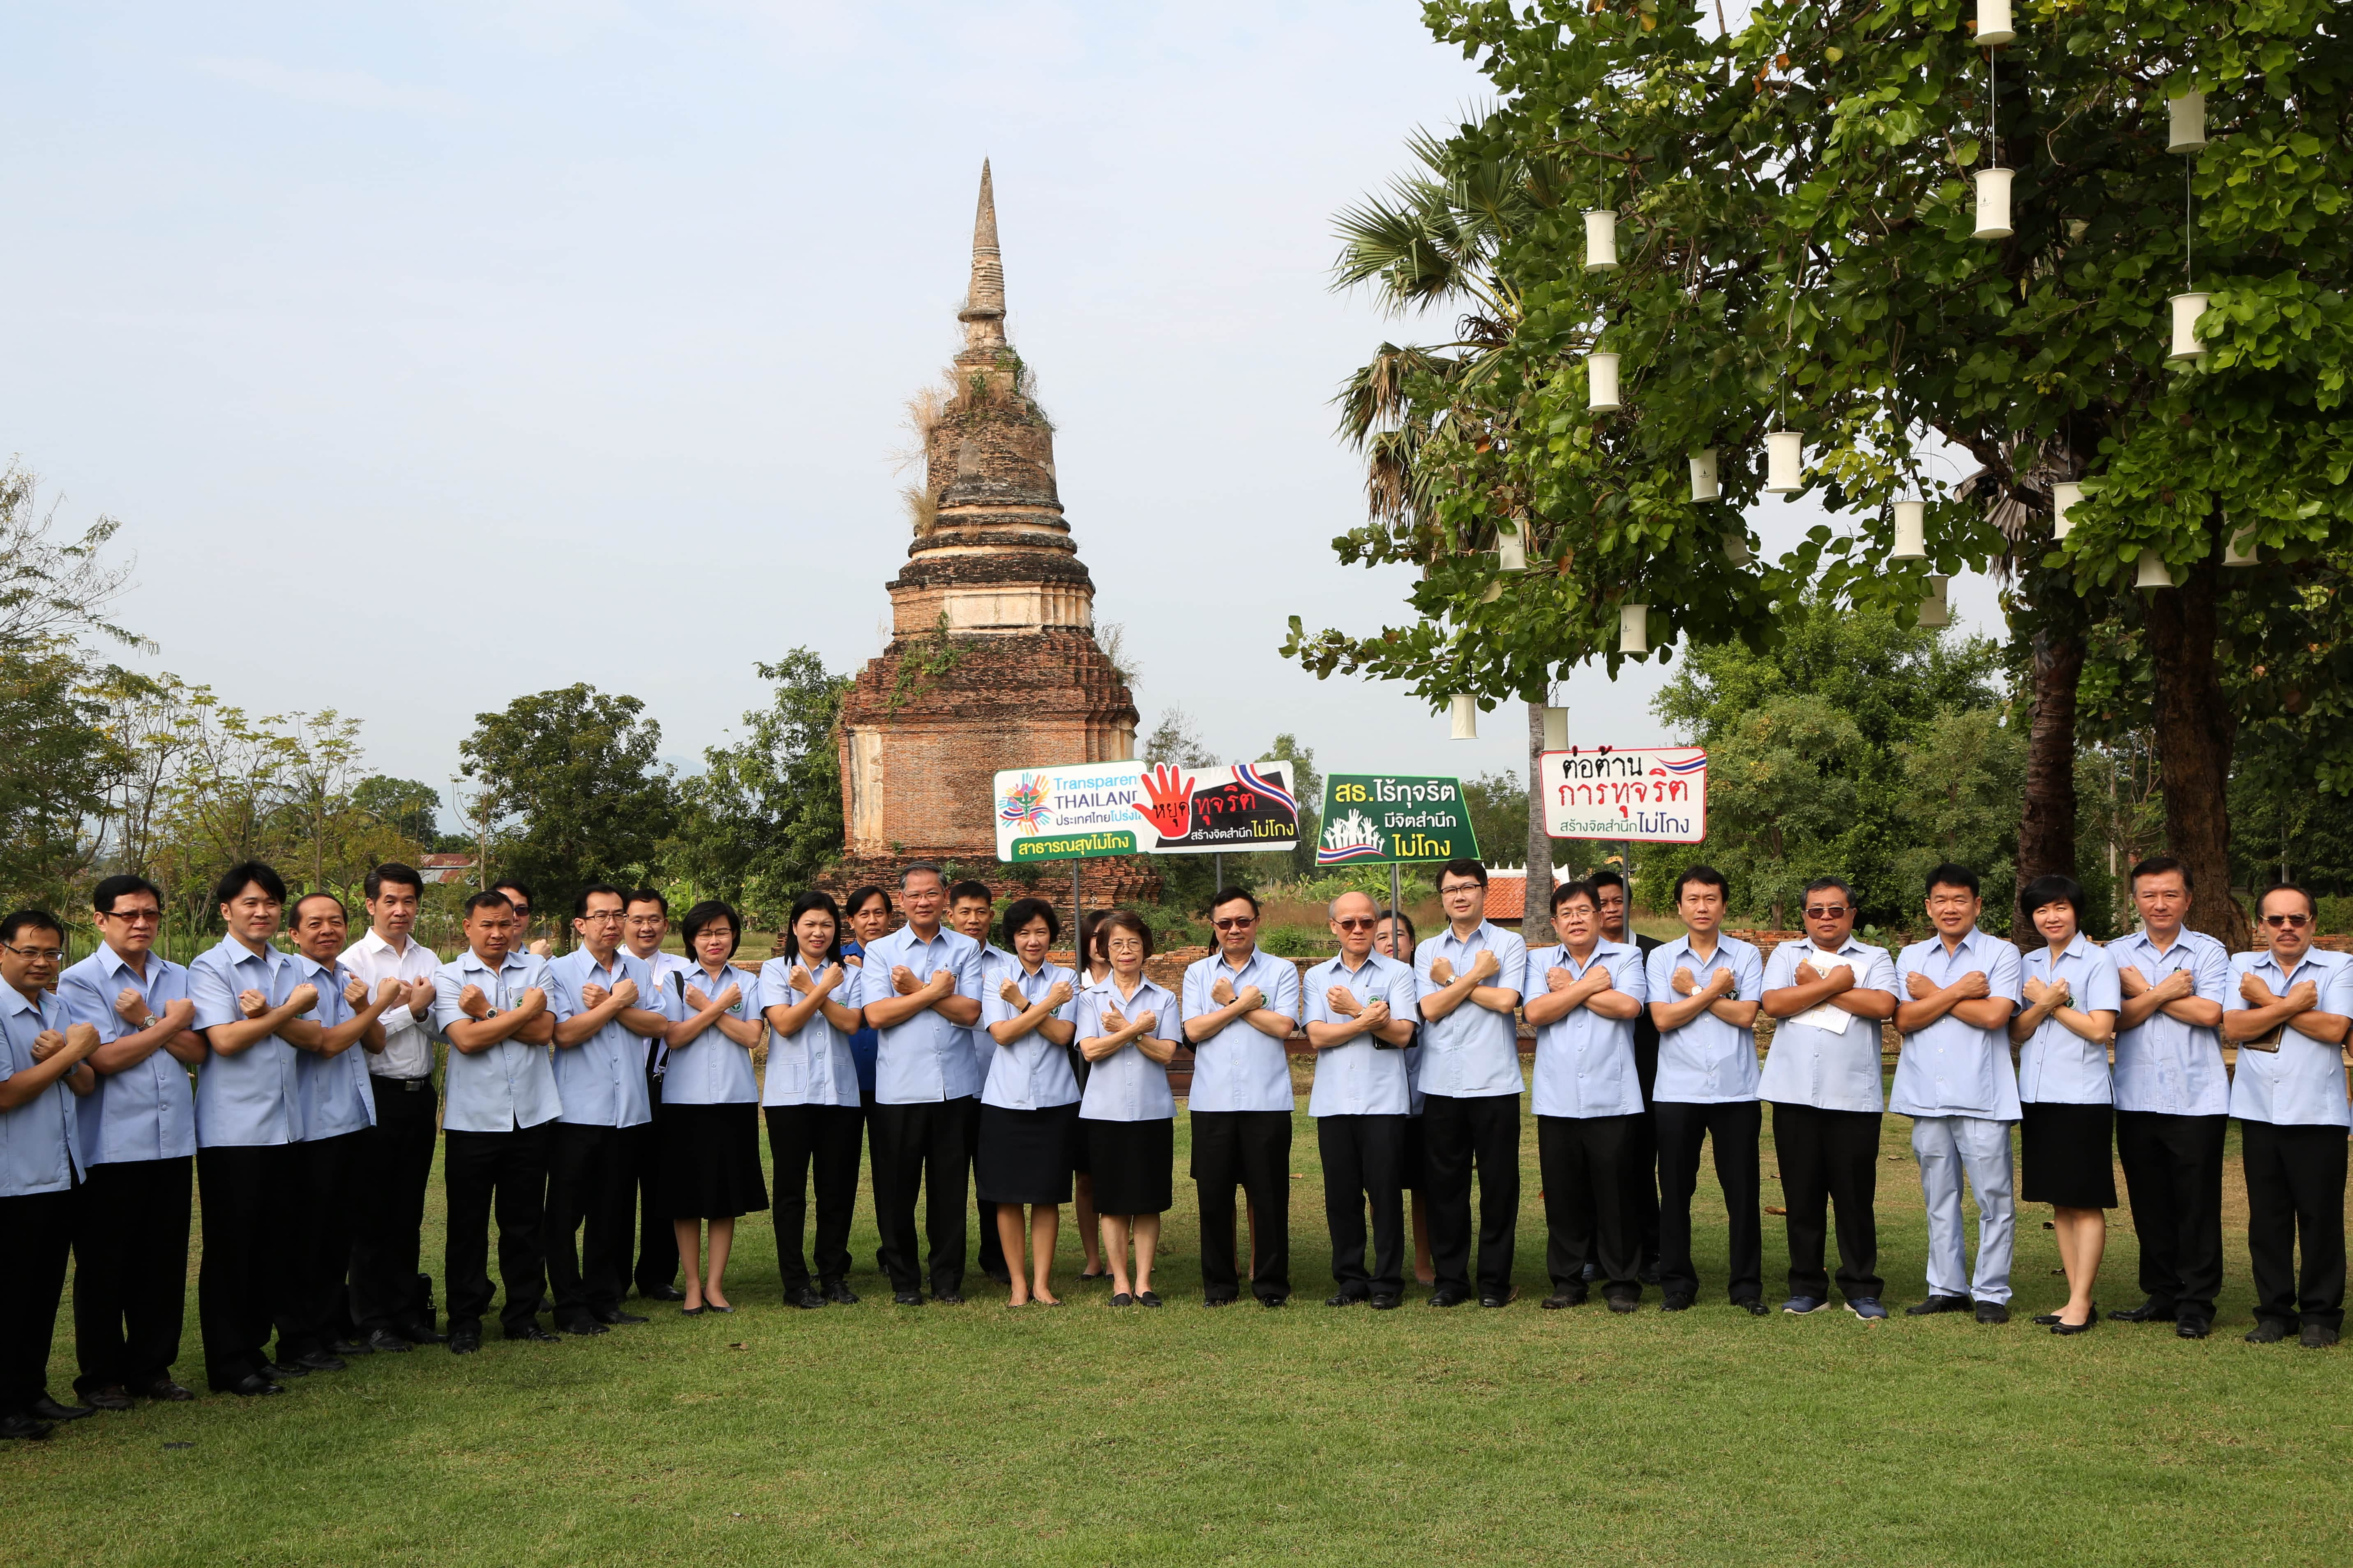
(711, 1161)
(1133, 1165)
(1411, 1164)
(2065, 1155)
(1024, 1155)
(1081, 1161)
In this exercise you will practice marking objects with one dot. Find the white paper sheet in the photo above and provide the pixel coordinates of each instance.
(1828, 1015)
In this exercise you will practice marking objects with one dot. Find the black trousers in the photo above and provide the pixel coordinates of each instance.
(324, 1217)
(1645, 1147)
(992, 1247)
(814, 1144)
(1733, 1126)
(657, 1242)
(508, 1169)
(1364, 1162)
(1829, 1157)
(2295, 1193)
(1251, 1149)
(131, 1270)
(36, 1232)
(395, 1167)
(921, 1148)
(591, 1208)
(2173, 1179)
(247, 1191)
(1592, 1193)
(1458, 1133)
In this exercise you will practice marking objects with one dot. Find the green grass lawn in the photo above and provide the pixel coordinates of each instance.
(1089, 1436)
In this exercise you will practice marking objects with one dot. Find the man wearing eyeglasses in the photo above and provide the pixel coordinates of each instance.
(1955, 1081)
(2289, 1013)
(1468, 976)
(2173, 1100)
(645, 921)
(1240, 1005)
(1827, 995)
(138, 1130)
(1360, 1013)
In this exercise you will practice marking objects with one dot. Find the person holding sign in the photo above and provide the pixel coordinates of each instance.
(811, 1095)
(711, 1117)
(1827, 995)
(1127, 1028)
(1470, 976)
(1240, 1006)
(2289, 1013)
(1360, 1012)
(1029, 1102)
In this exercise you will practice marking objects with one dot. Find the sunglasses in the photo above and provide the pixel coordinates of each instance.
(2295, 922)
(1824, 911)
(1357, 924)
(1235, 922)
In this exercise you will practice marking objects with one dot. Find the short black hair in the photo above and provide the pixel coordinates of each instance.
(2157, 866)
(1576, 889)
(2310, 903)
(705, 913)
(294, 915)
(969, 888)
(392, 871)
(488, 897)
(19, 921)
(1949, 875)
(913, 866)
(1232, 895)
(1023, 911)
(580, 900)
(1402, 918)
(1706, 877)
(1823, 885)
(814, 898)
(250, 873)
(1090, 927)
(646, 896)
(109, 893)
(509, 885)
(1606, 877)
(1474, 869)
(2053, 889)
(858, 896)
(1124, 919)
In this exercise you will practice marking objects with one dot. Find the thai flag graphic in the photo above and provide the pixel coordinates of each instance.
(1254, 779)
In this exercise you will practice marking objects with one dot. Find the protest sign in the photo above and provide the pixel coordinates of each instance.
(1389, 817)
(1128, 808)
(1655, 795)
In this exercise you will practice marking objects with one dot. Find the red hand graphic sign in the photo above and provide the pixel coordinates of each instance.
(1170, 790)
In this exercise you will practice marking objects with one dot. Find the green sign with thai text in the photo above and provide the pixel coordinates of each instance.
(1385, 817)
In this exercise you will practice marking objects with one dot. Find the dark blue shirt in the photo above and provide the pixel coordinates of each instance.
(863, 1044)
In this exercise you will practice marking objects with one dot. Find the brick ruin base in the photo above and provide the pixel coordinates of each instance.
(1106, 883)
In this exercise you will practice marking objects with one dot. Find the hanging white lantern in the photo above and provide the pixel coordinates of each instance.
(2239, 549)
(2064, 498)
(1936, 609)
(1555, 722)
(1702, 470)
(1601, 381)
(1466, 719)
(1993, 23)
(1600, 240)
(2185, 122)
(1785, 463)
(1633, 628)
(1911, 531)
(1512, 548)
(2187, 309)
(1736, 549)
(2152, 574)
(1993, 203)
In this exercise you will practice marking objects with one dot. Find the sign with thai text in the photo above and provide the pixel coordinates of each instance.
(1384, 817)
(1130, 808)
(1655, 795)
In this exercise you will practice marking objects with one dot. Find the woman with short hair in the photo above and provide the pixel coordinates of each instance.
(811, 1097)
(711, 1117)
(1029, 1104)
(1127, 1027)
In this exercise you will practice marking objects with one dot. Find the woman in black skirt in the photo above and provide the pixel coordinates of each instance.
(1093, 969)
(711, 1102)
(1127, 1028)
(1029, 1106)
(2065, 1103)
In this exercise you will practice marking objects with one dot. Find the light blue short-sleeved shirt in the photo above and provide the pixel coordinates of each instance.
(1240, 1067)
(1033, 1072)
(246, 1099)
(922, 1060)
(1473, 1052)
(1815, 1063)
(1127, 1085)
(710, 1069)
(331, 1096)
(40, 1140)
(602, 1079)
(1585, 1062)
(2164, 1065)
(2301, 1084)
(144, 1112)
(1366, 1077)
(512, 1084)
(813, 1066)
(2056, 1065)
(1707, 1061)
(1950, 1068)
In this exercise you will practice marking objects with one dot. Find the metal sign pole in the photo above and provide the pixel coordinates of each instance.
(1078, 913)
(1395, 897)
(1217, 871)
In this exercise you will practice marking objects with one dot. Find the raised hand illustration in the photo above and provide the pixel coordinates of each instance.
(1171, 792)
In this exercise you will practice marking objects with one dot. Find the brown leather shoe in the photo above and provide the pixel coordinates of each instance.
(164, 1391)
(108, 1396)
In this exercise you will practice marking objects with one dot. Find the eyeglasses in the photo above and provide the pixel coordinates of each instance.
(1824, 911)
(1235, 922)
(601, 916)
(1454, 887)
(54, 955)
(2295, 922)
(1361, 923)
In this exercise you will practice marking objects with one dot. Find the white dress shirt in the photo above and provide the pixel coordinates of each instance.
(408, 1040)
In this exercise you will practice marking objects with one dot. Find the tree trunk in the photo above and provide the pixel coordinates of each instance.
(2195, 737)
(1535, 915)
(2046, 827)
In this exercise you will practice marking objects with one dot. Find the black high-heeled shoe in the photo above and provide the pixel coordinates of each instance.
(2083, 1327)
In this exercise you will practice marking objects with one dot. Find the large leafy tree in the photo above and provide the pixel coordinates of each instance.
(573, 792)
(764, 816)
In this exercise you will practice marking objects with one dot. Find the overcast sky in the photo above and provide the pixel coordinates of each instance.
(431, 354)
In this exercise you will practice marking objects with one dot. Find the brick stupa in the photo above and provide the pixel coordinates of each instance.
(993, 661)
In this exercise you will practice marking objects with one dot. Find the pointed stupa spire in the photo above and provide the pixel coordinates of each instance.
(984, 307)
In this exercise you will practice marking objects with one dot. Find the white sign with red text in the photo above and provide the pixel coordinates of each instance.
(1654, 795)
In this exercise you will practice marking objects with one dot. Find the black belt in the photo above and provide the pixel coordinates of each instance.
(404, 1084)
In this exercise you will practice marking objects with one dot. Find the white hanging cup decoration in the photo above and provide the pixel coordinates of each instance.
(1512, 548)
(2187, 309)
(1633, 628)
(1993, 23)
(1601, 381)
(1785, 463)
(2152, 574)
(1936, 609)
(1555, 721)
(1466, 719)
(2239, 549)
(1702, 472)
(2065, 496)
(1993, 203)
(1600, 240)
(1736, 549)
(1911, 531)
(2185, 122)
